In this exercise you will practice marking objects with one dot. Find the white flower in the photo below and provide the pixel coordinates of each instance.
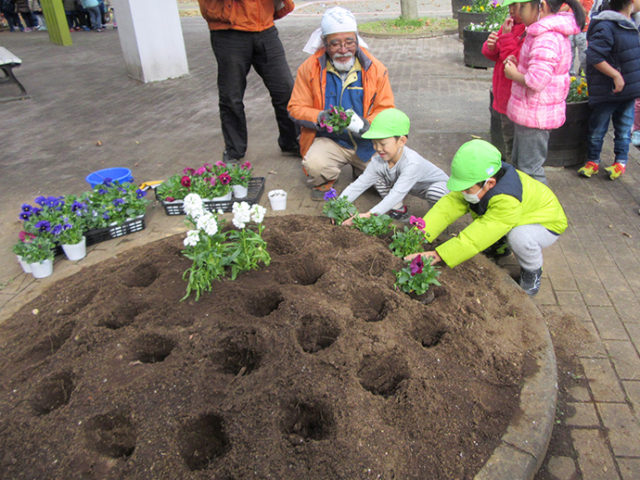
(192, 239)
(241, 214)
(207, 222)
(257, 213)
(193, 205)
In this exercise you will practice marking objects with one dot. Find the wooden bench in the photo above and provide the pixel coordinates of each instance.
(8, 61)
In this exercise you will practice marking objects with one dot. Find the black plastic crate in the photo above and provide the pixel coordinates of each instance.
(103, 234)
(256, 188)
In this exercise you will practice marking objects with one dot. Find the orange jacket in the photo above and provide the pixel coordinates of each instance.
(245, 15)
(307, 98)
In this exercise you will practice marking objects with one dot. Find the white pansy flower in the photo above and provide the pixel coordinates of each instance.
(257, 213)
(192, 239)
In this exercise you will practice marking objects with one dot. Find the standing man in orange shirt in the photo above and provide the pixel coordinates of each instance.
(243, 35)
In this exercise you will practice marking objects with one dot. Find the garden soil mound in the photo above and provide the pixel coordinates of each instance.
(311, 368)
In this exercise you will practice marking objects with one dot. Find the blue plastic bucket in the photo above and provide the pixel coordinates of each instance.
(120, 174)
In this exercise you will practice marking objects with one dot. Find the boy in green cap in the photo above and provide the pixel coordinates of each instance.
(502, 201)
(395, 170)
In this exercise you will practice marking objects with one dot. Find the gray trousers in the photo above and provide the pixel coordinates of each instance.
(579, 43)
(530, 150)
(435, 192)
(527, 242)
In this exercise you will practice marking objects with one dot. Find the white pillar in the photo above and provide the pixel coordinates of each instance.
(151, 39)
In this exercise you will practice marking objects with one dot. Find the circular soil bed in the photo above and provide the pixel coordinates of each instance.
(314, 367)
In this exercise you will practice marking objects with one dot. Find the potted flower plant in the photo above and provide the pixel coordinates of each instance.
(240, 176)
(477, 13)
(112, 203)
(337, 120)
(475, 34)
(38, 253)
(21, 248)
(416, 278)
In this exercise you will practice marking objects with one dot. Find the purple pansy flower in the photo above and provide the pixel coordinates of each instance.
(330, 194)
(41, 200)
(118, 201)
(140, 193)
(416, 265)
(43, 225)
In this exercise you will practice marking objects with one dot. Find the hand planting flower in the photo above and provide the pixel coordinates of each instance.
(410, 240)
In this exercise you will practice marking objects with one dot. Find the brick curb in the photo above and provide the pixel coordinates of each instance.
(524, 445)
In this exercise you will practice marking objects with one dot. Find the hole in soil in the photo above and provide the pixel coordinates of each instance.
(111, 434)
(372, 308)
(309, 421)
(241, 353)
(51, 343)
(202, 440)
(152, 348)
(280, 244)
(76, 303)
(141, 276)
(52, 392)
(307, 273)
(317, 333)
(264, 303)
(340, 239)
(382, 375)
(122, 315)
(428, 332)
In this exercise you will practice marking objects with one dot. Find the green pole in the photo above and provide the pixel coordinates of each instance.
(56, 22)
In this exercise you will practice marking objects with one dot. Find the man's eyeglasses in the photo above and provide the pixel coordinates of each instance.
(336, 44)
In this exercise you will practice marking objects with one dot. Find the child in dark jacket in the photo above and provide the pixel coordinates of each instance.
(506, 41)
(613, 76)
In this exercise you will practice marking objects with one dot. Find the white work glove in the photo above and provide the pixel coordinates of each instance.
(356, 123)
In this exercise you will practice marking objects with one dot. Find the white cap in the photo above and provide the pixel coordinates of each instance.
(338, 20)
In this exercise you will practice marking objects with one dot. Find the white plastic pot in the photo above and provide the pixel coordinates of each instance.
(278, 199)
(42, 269)
(76, 251)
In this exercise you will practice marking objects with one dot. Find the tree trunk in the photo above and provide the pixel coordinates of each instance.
(409, 8)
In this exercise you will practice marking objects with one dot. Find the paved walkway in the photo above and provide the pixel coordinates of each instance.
(81, 94)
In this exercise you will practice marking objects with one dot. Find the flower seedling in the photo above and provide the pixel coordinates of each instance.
(417, 277)
(36, 249)
(374, 225)
(247, 249)
(241, 174)
(410, 240)
(338, 209)
(337, 120)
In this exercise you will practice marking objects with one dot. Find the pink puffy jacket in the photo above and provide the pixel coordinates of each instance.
(544, 60)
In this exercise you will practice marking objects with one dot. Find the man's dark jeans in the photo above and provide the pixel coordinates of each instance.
(236, 52)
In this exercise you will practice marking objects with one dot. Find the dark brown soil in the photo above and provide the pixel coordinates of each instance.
(314, 368)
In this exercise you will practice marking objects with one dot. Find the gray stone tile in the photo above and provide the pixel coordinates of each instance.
(594, 458)
(630, 468)
(625, 359)
(608, 324)
(633, 393)
(584, 415)
(624, 429)
(603, 381)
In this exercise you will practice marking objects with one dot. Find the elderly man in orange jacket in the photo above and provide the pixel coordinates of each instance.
(243, 34)
(341, 73)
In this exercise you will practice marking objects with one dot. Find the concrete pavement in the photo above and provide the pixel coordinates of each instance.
(81, 94)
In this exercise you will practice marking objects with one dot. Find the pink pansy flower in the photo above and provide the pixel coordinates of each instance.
(417, 265)
(201, 171)
(208, 166)
(246, 166)
(213, 181)
(188, 171)
(220, 163)
(417, 222)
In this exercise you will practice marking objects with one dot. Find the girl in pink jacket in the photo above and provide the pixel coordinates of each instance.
(540, 79)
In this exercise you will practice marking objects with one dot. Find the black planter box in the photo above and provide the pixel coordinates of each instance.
(472, 48)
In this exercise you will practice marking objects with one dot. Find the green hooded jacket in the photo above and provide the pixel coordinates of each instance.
(516, 199)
